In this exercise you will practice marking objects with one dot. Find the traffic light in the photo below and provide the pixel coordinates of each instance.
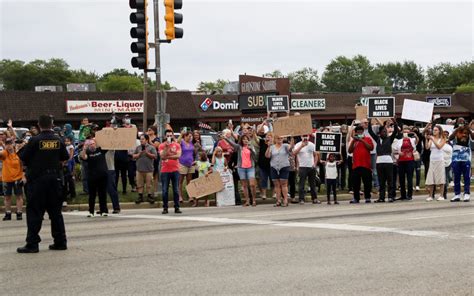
(173, 18)
(140, 32)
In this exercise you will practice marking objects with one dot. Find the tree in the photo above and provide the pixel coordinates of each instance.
(209, 86)
(118, 72)
(403, 77)
(465, 88)
(304, 80)
(445, 77)
(343, 74)
(82, 76)
(121, 83)
(274, 74)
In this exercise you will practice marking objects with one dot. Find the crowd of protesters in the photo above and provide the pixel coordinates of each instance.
(384, 157)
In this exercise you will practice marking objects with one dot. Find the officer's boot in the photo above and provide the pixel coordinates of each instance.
(19, 215)
(8, 216)
(139, 199)
(151, 199)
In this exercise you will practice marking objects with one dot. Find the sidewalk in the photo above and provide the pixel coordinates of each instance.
(159, 204)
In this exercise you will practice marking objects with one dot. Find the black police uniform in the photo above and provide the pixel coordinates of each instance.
(43, 156)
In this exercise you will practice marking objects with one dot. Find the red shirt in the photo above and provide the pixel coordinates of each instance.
(406, 151)
(361, 155)
(170, 165)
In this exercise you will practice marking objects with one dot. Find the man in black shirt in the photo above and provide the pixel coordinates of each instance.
(43, 157)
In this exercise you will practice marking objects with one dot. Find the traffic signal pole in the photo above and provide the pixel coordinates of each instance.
(160, 96)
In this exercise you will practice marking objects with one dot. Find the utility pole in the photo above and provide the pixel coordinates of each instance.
(160, 105)
(145, 101)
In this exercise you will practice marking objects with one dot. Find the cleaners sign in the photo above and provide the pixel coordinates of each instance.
(328, 142)
(381, 107)
(103, 106)
(278, 104)
(308, 104)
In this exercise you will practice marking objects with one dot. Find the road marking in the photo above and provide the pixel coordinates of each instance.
(342, 227)
(413, 218)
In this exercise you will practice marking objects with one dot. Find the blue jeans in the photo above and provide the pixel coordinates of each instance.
(85, 187)
(165, 183)
(112, 189)
(417, 172)
(464, 168)
(375, 178)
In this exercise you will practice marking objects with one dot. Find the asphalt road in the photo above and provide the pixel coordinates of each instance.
(408, 248)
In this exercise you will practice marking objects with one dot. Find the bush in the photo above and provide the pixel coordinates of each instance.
(465, 88)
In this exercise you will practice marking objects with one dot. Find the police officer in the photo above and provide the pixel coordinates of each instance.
(43, 157)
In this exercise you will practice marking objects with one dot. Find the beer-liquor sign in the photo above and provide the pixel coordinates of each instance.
(440, 101)
(278, 104)
(104, 106)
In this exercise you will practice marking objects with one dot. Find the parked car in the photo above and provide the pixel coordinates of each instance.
(19, 131)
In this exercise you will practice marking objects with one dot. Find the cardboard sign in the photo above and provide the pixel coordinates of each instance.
(206, 185)
(417, 110)
(328, 142)
(293, 126)
(226, 197)
(116, 139)
(278, 104)
(361, 112)
(381, 107)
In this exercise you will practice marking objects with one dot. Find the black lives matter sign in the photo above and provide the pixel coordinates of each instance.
(381, 107)
(278, 104)
(328, 142)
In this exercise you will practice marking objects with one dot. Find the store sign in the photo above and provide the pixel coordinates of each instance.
(440, 101)
(278, 104)
(253, 102)
(381, 107)
(217, 106)
(249, 84)
(104, 106)
(308, 104)
(252, 119)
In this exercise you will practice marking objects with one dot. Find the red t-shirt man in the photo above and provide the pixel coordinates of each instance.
(361, 155)
(173, 149)
(360, 146)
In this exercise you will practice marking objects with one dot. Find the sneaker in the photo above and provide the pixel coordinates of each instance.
(58, 247)
(301, 202)
(316, 201)
(19, 215)
(429, 199)
(391, 200)
(456, 198)
(451, 184)
(116, 211)
(90, 215)
(294, 201)
(150, 199)
(139, 200)
(8, 216)
(440, 198)
(467, 197)
(28, 249)
(354, 201)
(336, 202)
(177, 211)
(165, 211)
(368, 200)
(417, 188)
(104, 214)
(64, 204)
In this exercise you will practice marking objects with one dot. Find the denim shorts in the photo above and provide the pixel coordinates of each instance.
(282, 174)
(246, 174)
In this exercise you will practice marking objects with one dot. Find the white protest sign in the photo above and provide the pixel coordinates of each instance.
(226, 197)
(417, 110)
(447, 127)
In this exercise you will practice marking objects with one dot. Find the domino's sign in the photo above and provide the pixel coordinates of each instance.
(208, 103)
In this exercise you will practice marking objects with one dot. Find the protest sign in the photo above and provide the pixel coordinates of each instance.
(297, 125)
(226, 197)
(361, 112)
(278, 104)
(381, 107)
(205, 185)
(447, 127)
(328, 142)
(116, 139)
(417, 110)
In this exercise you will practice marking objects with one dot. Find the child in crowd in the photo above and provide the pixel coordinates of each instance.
(330, 166)
(204, 169)
(219, 162)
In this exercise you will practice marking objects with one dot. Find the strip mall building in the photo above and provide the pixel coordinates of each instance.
(187, 109)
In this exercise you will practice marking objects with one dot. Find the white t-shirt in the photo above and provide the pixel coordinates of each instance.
(331, 170)
(436, 154)
(306, 155)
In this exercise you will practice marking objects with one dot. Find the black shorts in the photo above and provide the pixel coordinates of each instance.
(13, 187)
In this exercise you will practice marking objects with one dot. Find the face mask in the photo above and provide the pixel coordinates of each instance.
(127, 121)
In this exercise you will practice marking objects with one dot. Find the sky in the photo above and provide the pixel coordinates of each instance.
(225, 38)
